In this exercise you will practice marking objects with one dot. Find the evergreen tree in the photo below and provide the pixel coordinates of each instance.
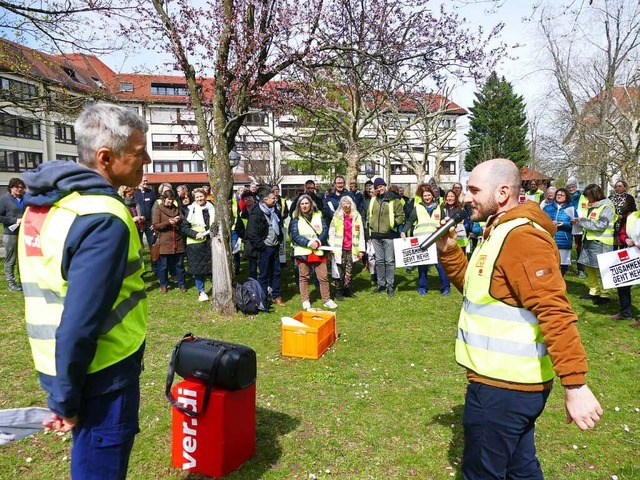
(498, 125)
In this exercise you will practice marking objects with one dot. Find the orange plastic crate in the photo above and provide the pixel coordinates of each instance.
(312, 340)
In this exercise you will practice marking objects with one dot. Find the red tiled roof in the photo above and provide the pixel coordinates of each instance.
(20, 59)
(33, 64)
(527, 174)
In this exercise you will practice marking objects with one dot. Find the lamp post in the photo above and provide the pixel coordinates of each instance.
(369, 171)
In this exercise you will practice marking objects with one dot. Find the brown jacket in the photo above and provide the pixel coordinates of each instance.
(527, 275)
(168, 235)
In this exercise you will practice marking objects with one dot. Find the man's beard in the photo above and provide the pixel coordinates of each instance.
(484, 211)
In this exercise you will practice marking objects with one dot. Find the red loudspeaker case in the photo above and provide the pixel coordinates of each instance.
(220, 439)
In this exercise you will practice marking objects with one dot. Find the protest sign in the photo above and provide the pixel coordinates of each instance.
(620, 267)
(408, 252)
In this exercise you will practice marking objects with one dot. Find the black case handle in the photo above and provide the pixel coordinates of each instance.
(210, 381)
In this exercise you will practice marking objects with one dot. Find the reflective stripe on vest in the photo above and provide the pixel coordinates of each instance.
(427, 222)
(41, 248)
(310, 232)
(356, 226)
(494, 339)
(605, 236)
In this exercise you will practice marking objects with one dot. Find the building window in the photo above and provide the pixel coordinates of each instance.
(67, 158)
(448, 123)
(248, 147)
(161, 141)
(13, 89)
(168, 166)
(16, 161)
(12, 126)
(126, 87)
(169, 89)
(65, 134)
(449, 145)
(448, 167)
(172, 116)
(257, 119)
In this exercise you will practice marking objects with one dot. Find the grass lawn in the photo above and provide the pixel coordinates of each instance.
(385, 402)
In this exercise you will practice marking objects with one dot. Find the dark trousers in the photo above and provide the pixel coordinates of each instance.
(624, 296)
(169, 264)
(148, 233)
(499, 427)
(269, 270)
(445, 284)
(103, 438)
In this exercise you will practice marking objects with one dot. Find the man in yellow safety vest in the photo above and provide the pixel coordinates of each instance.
(85, 300)
(516, 329)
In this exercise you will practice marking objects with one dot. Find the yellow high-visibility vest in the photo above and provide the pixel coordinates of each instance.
(41, 248)
(356, 228)
(310, 230)
(605, 236)
(494, 339)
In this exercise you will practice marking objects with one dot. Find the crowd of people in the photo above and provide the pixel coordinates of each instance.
(329, 231)
(79, 247)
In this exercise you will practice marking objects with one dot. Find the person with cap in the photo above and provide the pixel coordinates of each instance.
(384, 217)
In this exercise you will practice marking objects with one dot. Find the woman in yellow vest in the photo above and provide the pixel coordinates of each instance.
(308, 232)
(346, 236)
(424, 219)
(598, 238)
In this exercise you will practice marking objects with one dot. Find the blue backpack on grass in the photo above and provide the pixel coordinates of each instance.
(250, 299)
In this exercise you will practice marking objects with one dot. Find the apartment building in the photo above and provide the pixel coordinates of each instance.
(42, 94)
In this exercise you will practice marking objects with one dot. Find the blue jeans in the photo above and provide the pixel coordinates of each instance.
(171, 263)
(499, 427)
(269, 270)
(445, 284)
(199, 282)
(104, 435)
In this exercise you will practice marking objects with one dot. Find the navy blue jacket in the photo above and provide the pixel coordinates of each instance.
(94, 266)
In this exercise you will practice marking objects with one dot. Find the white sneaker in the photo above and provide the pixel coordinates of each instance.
(330, 304)
(306, 305)
(203, 297)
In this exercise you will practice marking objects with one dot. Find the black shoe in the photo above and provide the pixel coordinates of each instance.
(349, 293)
(390, 291)
(379, 289)
(14, 287)
(588, 296)
(601, 300)
(339, 296)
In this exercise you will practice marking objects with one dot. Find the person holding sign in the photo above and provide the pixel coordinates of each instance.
(516, 330)
(308, 232)
(598, 238)
(630, 237)
(424, 219)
